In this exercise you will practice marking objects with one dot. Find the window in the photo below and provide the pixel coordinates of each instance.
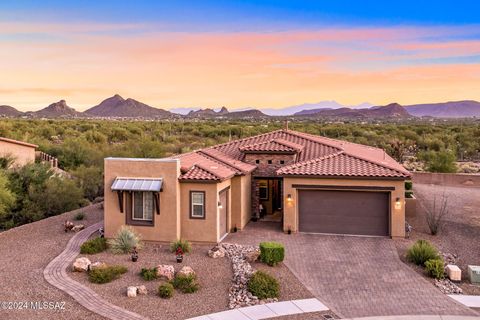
(197, 204)
(263, 190)
(269, 161)
(282, 161)
(257, 161)
(142, 206)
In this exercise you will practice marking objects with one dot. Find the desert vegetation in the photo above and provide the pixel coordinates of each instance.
(32, 193)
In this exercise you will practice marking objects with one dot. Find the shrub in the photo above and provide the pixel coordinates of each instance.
(408, 185)
(105, 275)
(435, 215)
(125, 240)
(421, 252)
(271, 253)
(435, 268)
(165, 290)
(79, 216)
(184, 244)
(186, 283)
(93, 246)
(263, 285)
(148, 274)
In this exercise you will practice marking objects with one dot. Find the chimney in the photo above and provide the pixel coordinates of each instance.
(286, 125)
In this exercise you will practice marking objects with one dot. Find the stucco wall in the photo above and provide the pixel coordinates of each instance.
(397, 216)
(22, 154)
(167, 223)
(240, 201)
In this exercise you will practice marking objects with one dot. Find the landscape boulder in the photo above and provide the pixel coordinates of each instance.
(132, 292)
(186, 271)
(216, 252)
(142, 290)
(165, 271)
(252, 256)
(78, 227)
(68, 225)
(81, 264)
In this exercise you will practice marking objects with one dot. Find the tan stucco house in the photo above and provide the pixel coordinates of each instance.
(305, 182)
(21, 152)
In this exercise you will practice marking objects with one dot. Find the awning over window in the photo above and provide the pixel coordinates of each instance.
(137, 184)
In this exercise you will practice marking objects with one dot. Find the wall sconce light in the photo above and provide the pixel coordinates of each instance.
(398, 204)
(289, 198)
(219, 204)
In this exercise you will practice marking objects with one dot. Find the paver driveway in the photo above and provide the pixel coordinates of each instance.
(354, 276)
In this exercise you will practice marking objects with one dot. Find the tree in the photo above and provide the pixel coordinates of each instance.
(441, 161)
(7, 198)
(90, 179)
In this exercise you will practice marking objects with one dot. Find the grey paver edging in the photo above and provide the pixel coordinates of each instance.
(268, 310)
(56, 274)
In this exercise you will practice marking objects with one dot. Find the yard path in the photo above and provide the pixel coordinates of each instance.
(55, 273)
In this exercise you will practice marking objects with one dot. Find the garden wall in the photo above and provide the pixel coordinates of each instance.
(447, 179)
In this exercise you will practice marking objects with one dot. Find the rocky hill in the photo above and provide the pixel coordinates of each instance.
(58, 109)
(391, 111)
(117, 107)
(452, 109)
(7, 111)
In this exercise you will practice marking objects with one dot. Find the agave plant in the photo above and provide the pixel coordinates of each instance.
(125, 240)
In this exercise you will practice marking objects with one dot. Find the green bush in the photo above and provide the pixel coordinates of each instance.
(184, 244)
(93, 246)
(185, 283)
(421, 252)
(125, 240)
(105, 275)
(435, 268)
(79, 216)
(271, 253)
(263, 285)
(165, 290)
(408, 185)
(148, 274)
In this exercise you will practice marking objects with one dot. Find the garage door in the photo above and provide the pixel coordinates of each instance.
(344, 212)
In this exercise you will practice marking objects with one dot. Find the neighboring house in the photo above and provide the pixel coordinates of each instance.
(308, 183)
(21, 152)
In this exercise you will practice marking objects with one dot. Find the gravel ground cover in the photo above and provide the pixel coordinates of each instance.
(214, 275)
(25, 251)
(460, 235)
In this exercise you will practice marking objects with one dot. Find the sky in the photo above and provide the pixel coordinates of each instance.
(238, 54)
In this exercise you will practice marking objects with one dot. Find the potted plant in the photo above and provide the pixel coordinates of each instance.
(134, 254)
(179, 255)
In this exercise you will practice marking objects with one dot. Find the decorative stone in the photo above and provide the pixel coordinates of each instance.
(81, 264)
(252, 256)
(216, 252)
(131, 292)
(68, 225)
(97, 265)
(78, 227)
(165, 271)
(453, 272)
(186, 271)
(142, 290)
(448, 287)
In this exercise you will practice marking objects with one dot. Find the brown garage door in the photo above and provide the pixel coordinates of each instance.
(344, 212)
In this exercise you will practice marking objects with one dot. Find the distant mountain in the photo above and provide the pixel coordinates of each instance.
(452, 109)
(208, 113)
(252, 113)
(7, 111)
(311, 106)
(391, 111)
(58, 109)
(117, 107)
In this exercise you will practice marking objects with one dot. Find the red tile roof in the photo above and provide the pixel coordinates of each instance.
(315, 156)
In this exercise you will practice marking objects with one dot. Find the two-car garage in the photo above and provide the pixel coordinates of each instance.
(344, 212)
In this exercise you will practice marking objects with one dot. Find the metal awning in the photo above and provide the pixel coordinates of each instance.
(138, 184)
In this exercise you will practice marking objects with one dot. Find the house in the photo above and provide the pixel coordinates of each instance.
(307, 183)
(20, 152)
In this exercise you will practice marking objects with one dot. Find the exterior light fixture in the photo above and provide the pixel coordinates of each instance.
(289, 198)
(220, 206)
(398, 204)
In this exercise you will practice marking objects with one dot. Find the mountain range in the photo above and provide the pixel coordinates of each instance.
(118, 107)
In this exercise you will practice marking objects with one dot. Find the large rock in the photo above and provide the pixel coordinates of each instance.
(186, 271)
(216, 252)
(81, 264)
(165, 271)
(78, 227)
(131, 292)
(142, 290)
(252, 256)
(98, 265)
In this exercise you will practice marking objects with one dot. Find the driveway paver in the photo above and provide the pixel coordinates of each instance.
(354, 276)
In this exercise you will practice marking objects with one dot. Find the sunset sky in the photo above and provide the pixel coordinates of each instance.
(238, 54)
